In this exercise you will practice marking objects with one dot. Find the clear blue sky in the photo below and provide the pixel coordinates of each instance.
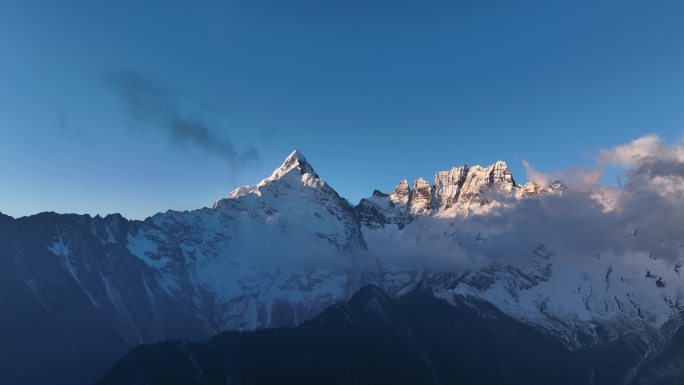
(141, 106)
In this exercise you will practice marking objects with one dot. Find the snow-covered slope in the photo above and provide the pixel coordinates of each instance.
(279, 252)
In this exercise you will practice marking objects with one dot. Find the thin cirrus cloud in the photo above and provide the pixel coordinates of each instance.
(153, 106)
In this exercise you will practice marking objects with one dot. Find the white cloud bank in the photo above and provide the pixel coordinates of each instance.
(644, 217)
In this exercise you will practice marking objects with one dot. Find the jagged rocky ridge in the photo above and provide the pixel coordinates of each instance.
(460, 191)
(278, 253)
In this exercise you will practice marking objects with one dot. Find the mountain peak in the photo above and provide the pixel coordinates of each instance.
(295, 166)
(295, 156)
(295, 160)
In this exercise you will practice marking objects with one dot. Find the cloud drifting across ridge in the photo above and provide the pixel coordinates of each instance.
(150, 105)
(588, 219)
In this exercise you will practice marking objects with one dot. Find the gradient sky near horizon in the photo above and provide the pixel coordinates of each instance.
(139, 107)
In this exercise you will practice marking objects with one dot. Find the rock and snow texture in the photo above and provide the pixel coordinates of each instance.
(458, 192)
(278, 252)
(295, 199)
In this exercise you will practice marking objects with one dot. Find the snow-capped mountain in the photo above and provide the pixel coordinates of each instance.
(281, 251)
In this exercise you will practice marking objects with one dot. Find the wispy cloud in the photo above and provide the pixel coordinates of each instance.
(588, 219)
(644, 216)
(72, 129)
(155, 107)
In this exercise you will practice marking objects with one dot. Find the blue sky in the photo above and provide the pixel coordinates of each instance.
(138, 107)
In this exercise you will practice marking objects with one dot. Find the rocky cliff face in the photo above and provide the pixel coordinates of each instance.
(447, 187)
(458, 192)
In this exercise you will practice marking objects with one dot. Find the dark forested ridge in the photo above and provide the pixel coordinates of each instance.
(374, 339)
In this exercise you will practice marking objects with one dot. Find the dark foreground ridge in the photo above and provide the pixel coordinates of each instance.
(374, 339)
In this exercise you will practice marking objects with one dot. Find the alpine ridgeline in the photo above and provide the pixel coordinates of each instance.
(78, 292)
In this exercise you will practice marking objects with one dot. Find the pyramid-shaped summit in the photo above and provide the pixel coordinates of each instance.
(294, 168)
(295, 161)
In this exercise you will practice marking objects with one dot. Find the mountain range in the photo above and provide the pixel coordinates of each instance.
(277, 264)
